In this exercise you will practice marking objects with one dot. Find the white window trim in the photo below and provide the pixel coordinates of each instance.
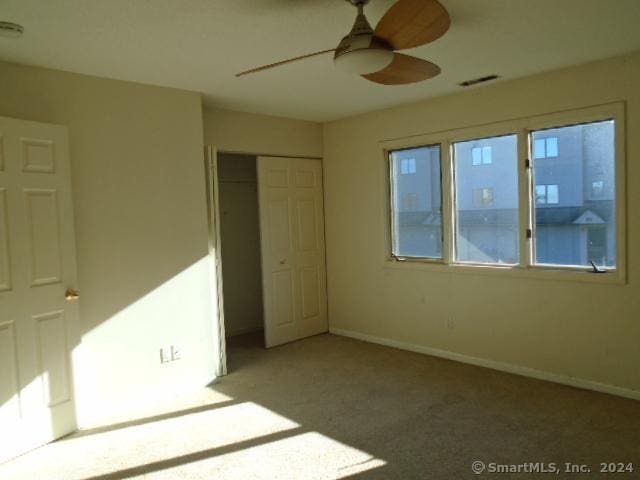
(523, 127)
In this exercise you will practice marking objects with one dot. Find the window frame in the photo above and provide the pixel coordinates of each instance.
(523, 128)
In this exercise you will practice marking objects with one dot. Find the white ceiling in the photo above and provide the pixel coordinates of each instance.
(200, 45)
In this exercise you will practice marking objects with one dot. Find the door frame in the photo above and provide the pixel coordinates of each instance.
(215, 256)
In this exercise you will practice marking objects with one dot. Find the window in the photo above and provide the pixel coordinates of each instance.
(547, 194)
(416, 202)
(597, 188)
(524, 211)
(481, 155)
(408, 166)
(574, 229)
(545, 147)
(482, 197)
(409, 201)
(487, 203)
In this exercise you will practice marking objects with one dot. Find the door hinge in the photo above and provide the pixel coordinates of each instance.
(529, 233)
(527, 163)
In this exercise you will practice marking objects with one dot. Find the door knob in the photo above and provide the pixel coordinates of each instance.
(283, 261)
(71, 294)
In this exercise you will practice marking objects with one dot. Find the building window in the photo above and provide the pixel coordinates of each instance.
(575, 230)
(409, 201)
(564, 211)
(482, 197)
(597, 188)
(481, 155)
(547, 194)
(545, 148)
(407, 166)
(487, 230)
(416, 202)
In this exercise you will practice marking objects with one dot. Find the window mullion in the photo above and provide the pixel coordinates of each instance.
(447, 203)
(525, 197)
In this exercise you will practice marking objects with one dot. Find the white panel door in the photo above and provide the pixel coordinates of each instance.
(293, 251)
(38, 325)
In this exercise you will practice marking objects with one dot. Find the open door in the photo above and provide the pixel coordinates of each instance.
(215, 254)
(293, 251)
(39, 318)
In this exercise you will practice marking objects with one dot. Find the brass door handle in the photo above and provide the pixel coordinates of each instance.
(71, 294)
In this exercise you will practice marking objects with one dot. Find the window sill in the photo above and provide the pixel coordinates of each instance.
(510, 271)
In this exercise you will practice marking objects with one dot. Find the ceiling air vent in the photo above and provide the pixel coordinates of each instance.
(8, 29)
(476, 81)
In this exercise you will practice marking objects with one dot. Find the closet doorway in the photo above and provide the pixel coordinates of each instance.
(240, 239)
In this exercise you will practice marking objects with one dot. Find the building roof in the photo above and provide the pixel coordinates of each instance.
(546, 215)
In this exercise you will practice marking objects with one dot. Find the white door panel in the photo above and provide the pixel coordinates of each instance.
(38, 327)
(293, 252)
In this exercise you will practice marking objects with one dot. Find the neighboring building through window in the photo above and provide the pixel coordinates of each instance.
(486, 212)
(481, 155)
(545, 147)
(417, 202)
(574, 211)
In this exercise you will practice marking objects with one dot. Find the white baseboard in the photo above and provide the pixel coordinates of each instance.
(483, 362)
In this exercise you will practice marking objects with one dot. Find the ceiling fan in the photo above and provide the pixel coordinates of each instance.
(372, 53)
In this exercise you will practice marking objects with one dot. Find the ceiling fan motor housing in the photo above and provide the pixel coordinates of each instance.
(361, 51)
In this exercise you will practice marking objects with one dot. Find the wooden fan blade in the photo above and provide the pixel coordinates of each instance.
(277, 64)
(404, 69)
(411, 23)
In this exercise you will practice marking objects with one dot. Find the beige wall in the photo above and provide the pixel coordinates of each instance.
(140, 211)
(261, 134)
(582, 330)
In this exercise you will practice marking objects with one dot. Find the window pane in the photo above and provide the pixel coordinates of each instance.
(576, 224)
(597, 188)
(486, 155)
(552, 147)
(552, 194)
(539, 148)
(487, 221)
(477, 155)
(417, 203)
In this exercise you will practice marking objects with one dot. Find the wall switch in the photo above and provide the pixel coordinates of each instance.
(165, 355)
(176, 354)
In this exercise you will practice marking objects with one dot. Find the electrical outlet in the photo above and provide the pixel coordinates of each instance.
(165, 355)
(176, 354)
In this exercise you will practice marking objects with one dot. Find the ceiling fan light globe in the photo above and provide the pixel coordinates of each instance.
(364, 61)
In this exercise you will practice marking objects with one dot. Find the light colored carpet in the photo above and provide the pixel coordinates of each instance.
(330, 407)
